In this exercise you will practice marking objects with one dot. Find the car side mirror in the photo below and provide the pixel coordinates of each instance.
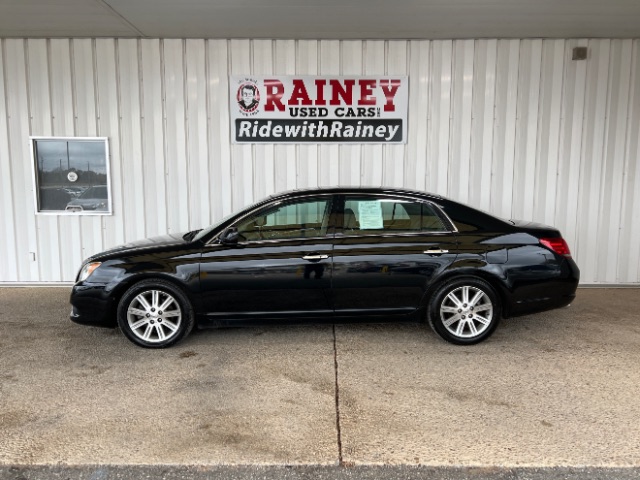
(230, 236)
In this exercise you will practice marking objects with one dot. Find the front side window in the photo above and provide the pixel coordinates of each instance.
(302, 219)
(71, 175)
(375, 215)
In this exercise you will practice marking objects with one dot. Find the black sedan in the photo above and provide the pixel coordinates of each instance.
(331, 255)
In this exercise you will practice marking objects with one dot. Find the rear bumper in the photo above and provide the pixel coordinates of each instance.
(90, 305)
(553, 293)
(534, 305)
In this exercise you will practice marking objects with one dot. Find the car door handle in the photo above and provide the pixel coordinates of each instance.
(436, 251)
(315, 257)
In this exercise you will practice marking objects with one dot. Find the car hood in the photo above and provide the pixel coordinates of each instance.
(143, 245)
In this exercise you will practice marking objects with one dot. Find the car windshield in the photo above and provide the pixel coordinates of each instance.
(95, 192)
(206, 231)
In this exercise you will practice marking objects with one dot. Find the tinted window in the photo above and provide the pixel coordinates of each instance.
(467, 219)
(308, 218)
(387, 215)
(66, 168)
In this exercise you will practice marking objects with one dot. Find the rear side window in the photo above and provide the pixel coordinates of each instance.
(375, 215)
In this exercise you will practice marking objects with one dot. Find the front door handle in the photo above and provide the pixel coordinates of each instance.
(436, 251)
(315, 258)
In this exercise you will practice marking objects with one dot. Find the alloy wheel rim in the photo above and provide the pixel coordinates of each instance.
(154, 316)
(466, 312)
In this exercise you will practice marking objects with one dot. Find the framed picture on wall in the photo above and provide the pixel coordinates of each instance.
(71, 175)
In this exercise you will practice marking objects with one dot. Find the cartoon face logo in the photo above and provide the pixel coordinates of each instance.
(248, 97)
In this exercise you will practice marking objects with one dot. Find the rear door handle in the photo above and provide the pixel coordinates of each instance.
(315, 257)
(436, 251)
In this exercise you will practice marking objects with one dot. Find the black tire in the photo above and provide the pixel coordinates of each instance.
(464, 318)
(155, 314)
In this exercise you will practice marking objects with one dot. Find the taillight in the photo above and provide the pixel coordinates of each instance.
(558, 245)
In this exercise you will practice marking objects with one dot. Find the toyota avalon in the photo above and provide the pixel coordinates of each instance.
(331, 255)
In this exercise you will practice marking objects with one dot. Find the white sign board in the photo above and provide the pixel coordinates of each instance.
(305, 109)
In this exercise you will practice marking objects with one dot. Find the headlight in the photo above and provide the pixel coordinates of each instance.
(88, 270)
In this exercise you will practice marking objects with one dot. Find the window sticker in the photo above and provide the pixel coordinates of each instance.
(370, 215)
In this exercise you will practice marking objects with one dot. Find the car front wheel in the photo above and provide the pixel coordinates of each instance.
(155, 314)
(464, 311)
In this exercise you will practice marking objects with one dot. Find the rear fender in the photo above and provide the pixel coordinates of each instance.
(492, 274)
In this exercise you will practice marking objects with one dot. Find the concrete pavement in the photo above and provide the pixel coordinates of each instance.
(558, 389)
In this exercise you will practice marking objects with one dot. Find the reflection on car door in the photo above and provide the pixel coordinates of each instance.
(281, 267)
(386, 253)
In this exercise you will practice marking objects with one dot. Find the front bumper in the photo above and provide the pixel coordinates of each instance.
(91, 305)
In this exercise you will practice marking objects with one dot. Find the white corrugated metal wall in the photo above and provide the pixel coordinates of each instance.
(511, 126)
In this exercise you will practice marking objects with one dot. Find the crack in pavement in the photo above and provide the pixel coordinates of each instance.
(335, 366)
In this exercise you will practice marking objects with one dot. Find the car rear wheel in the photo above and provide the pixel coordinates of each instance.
(155, 314)
(464, 311)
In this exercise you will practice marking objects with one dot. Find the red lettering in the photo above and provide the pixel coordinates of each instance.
(299, 95)
(275, 90)
(389, 91)
(338, 91)
(366, 92)
(320, 92)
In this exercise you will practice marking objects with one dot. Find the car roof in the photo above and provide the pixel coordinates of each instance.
(352, 189)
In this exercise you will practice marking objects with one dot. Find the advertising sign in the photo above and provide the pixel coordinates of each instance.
(305, 109)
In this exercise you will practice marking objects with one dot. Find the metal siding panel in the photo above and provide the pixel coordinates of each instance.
(109, 126)
(329, 161)
(264, 155)
(394, 155)
(507, 67)
(219, 136)
(284, 55)
(556, 140)
(628, 249)
(307, 162)
(482, 119)
(527, 128)
(372, 155)
(415, 175)
(550, 111)
(84, 87)
(8, 242)
(152, 130)
(566, 200)
(441, 86)
(488, 126)
(614, 159)
(241, 155)
(39, 97)
(61, 89)
(350, 155)
(63, 120)
(41, 120)
(84, 94)
(131, 140)
(593, 158)
(460, 135)
(197, 147)
(17, 108)
(175, 137)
